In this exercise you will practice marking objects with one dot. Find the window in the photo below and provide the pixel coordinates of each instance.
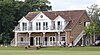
(63, 38)
(21, 39)
(59, 25)
(37, 40)
(53, 39)
(41, 16)
(84, 24)
(24, 25)
(30, 25)
(52, 25)
(38, 26)
(80, 22)
(45, 25)
(87, 24)
(50, 38)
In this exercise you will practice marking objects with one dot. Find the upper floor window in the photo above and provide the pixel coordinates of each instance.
(59, 25)
(24, 26)
(30, 25)
(38, 26)
(41, 16)
(53, 25)
(63, 38)
(86, 24)
(21, 39)
(45, 25)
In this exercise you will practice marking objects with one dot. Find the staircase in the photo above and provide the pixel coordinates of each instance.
(76, 40)
(12, 42)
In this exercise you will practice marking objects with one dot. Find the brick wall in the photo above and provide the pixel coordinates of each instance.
(80, 25)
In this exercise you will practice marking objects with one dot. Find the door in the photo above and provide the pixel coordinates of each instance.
(52, 41)
(31, 41)
(37, 41)
(45, 41)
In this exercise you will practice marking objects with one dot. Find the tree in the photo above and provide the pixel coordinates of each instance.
(6, 18)
(94, 13)
(39, 5)
(94, 28)
(91, 30)
(11, 11)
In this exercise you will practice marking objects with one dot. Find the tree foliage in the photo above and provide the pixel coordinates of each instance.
(94, 13)
(39, 5)
(94, 28)
(12, 10)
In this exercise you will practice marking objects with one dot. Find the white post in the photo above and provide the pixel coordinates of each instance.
(66, 38)
(43, 39)
(56, 39)
(59, 39)
(15, 39)
(29, 38)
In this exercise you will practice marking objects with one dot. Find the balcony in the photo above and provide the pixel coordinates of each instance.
(35, 29)
(17, 28)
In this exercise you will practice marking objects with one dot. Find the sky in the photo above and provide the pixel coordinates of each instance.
(58, 5)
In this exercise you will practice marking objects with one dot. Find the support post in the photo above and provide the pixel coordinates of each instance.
(15, 39)
(29, 37)
(69, 38)
(59, 38)
(56, 39)
(66, 38)
(43, 39)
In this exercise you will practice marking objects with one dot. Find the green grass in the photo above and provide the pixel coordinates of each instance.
(50, 51)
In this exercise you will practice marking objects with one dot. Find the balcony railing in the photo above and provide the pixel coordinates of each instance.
(50, 28)
(30, 28)
(59, 27)
(17, 28)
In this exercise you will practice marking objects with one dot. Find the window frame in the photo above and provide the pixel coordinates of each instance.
(24, 26)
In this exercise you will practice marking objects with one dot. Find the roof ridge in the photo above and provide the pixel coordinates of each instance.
(63, 11)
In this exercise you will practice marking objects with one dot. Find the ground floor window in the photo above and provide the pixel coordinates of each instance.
(63, 38)
(37, 40)
(21, 39)
(52, 40)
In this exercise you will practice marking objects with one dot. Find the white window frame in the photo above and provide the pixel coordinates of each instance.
(38, 25)
(45, 25)
(24, 26)
(59, 25)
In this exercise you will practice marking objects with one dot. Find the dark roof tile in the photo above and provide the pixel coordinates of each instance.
(72, 15)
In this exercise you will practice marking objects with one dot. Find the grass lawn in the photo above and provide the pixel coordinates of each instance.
(50, 51)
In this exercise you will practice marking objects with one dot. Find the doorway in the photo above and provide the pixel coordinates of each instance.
(31, 41)
(52, 40)
(45, 41)
(37, 41)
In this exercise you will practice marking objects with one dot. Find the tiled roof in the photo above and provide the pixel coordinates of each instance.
(31, 15)
(72, 15)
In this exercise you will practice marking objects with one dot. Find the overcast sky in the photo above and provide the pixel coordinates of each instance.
(72, 4)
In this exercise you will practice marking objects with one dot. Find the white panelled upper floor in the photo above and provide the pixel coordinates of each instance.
(41, 23)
